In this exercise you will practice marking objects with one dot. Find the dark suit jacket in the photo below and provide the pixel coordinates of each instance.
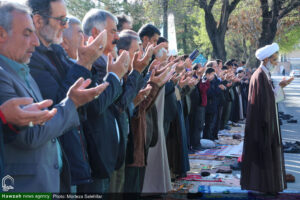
(105, 152)
(31, 158)
(54, 72)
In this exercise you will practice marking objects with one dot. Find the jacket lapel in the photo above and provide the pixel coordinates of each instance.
(36, 96)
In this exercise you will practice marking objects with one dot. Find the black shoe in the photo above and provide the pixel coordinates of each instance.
(236, 124)
(197, 148)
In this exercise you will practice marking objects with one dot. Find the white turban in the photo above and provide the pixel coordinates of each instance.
(266, 51)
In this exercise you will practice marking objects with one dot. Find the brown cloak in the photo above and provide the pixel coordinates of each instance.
(263, 167)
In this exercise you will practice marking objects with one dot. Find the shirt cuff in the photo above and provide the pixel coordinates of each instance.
(115, 75)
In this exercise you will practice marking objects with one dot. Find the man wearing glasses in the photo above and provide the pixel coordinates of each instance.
(54, 72)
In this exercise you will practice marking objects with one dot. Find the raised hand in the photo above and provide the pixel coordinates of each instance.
(285, 82)
(143, 94)
(160, 79)
(184, 81)
(16, 115)
(80, 95)
(139, 63)
(88, 54)
(120, 67)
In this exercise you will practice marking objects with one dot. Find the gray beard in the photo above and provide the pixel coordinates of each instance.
(49, 35)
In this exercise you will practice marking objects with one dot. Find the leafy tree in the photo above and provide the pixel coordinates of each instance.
(79, 8)
(272, 13)
(216, 30)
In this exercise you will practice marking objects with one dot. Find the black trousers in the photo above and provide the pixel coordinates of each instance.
(134, 179)
(218, 122)
(197, 119)
(210, 123)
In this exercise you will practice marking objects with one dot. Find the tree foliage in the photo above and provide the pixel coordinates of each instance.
(216, 27)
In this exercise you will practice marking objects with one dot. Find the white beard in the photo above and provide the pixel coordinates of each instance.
(270, 67)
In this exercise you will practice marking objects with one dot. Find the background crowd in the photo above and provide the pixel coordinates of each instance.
(132, 129)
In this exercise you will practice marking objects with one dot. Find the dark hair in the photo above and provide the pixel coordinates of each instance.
(219, 61)
(224, 68)
(122, 20)
(41, 7)
(161, 40)
(126, 38)
(148, 30)
(243, 62)
(228, 63)
(209, 70)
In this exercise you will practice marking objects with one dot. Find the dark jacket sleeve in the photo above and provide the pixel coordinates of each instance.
(106, 98)
(130, 91)
(52, 85)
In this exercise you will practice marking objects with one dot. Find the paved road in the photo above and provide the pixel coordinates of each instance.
(291, 132)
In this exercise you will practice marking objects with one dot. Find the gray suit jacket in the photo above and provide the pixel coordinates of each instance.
(31, 158)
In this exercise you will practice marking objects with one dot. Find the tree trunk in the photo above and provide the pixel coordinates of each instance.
(216, 31)
(165, 18)
(217, 38)
(183, 39)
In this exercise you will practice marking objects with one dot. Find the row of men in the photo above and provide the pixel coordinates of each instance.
(123, 134)
(82, 139)
(219, 102)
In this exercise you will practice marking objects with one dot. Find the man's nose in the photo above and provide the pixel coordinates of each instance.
(35, 40)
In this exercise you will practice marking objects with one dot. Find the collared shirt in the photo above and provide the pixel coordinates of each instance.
(278, 91)
(23, 72)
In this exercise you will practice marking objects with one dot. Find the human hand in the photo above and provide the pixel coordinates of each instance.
(32, 113)
(88, 54)
(80, 96)
(222, 87)
(139, 63)
(120, 67)
(285, 82)
(142, 95)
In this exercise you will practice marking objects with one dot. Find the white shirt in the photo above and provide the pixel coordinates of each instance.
(278, 91)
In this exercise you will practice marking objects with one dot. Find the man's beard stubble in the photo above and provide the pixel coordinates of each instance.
(49, 35)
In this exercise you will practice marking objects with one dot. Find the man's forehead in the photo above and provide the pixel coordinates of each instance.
(58, 8)
(22, 20)
(111, 23)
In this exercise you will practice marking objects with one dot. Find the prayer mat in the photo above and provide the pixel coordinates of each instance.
(197, 177)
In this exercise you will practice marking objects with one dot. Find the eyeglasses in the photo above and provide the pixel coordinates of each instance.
(63, 21)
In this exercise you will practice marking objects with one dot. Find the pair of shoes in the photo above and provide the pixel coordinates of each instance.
(236, 137)
(292, 149)
(226, 127)
(290, 178)
(243, 121)
(197, 148)
(236, 124)
(294, 121)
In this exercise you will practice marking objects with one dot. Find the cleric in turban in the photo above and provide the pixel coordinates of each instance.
(263, 167)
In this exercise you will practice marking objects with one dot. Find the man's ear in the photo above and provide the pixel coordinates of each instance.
(145, 39)
(95, 32)
(65, 44)
(3, 34)
(38, 21)
(120, 51)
